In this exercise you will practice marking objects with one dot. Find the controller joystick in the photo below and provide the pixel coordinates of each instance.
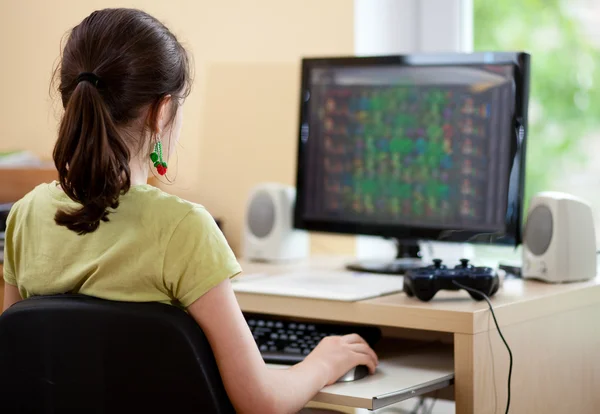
(438, 264)
(425, 282)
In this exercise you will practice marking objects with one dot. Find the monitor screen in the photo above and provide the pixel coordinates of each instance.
(392, 147)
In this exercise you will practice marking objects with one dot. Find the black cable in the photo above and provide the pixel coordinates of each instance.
(510, 364)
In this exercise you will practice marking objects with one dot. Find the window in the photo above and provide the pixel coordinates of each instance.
(564, 110)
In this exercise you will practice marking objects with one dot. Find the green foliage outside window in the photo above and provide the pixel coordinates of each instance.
(565, 99)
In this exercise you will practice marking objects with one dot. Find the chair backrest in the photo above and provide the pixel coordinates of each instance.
(73, 353)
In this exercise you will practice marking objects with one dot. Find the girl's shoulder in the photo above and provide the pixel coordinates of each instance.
(162, 205)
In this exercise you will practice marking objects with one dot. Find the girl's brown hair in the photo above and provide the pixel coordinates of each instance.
(115, 64)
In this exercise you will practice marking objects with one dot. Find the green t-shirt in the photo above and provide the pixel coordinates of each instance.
(155, 247)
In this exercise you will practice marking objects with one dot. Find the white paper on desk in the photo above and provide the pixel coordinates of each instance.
(331, 285)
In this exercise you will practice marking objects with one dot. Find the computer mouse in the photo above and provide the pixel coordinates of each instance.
(356, 373)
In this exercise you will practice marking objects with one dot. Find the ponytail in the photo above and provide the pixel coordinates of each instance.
(91, 158)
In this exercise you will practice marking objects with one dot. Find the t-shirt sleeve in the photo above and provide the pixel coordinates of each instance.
(8, 267)
(197, 258)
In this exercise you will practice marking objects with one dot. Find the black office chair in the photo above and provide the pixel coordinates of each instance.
(77, 354)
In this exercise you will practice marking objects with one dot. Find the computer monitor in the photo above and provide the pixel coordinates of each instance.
(414, 147)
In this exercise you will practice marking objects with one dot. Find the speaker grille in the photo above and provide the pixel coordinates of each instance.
(261, 215)
(538, 230)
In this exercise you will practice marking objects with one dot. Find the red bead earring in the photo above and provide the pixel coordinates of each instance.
(157, 158)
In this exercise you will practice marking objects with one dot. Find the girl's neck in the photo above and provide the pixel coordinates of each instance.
(139, 171)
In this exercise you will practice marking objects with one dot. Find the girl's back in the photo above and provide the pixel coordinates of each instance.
(137, 256)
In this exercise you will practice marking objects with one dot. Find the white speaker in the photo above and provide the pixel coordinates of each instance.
(268, 231)
(559, 241)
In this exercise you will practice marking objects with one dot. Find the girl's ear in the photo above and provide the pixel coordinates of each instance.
(163, 113)
(158, 115)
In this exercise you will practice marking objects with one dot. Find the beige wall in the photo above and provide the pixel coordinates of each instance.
(241, 118)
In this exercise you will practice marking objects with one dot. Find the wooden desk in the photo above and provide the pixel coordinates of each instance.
(16, 182)
(552, 331)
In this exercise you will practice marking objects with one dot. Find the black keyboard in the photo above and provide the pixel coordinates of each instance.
(288, 342)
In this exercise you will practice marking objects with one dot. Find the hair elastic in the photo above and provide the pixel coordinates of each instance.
(89, 77)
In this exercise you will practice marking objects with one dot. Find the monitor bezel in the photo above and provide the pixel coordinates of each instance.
(512, 234)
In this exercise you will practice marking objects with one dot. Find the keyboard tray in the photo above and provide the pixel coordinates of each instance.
(400, 376)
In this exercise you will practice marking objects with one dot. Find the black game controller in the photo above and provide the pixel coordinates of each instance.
(425, 282)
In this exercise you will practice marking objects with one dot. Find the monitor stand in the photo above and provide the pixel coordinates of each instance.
(408, 256)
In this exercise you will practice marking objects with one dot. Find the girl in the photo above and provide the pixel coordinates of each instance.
(102, 231)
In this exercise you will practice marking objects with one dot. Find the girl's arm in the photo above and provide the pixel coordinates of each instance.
(250, 385)
(11, 296)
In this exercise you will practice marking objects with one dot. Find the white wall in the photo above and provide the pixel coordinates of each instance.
(402, 26)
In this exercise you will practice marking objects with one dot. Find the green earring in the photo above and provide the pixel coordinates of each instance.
(157, 158)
